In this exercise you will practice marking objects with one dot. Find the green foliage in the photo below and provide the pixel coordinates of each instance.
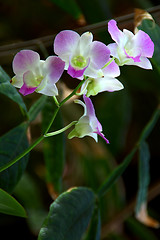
(70, 7)
(10, 91)
(12, 144)
(54, 147)
(115, 174)
(94, 231)
(69, 215)
(36, 108)
(8, 205)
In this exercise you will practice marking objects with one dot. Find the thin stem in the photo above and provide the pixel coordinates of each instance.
(56, 101)
(7, 165)
(73, 93)
(106, 65)
(61, 130)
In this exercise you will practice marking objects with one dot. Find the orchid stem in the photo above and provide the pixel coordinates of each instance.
(9, 164)
(107, 64)
(61, 130)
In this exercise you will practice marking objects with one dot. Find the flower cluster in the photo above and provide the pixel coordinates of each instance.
(91, 61)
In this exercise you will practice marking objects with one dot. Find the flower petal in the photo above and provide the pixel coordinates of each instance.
(54, 66)
(47, 88)
(84, 43)
(17, 81)
(99, 54)
(112, 70)
(116, 34)
(25, 60)
(113, 49)
(65, 43)
(75, 72)
(144, 42)
(145, 63)
(89, 107)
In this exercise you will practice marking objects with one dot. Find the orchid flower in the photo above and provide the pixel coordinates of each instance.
(81, 55)
(88, 124)
(33, 74)
(105, 81)
(130, 49)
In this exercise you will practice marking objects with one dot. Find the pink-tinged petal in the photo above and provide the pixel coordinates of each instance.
(137, 53)
(89, 107)
(113, 49)
(25, 60)
(108, 84)
(143, 41)
(99, 54)
(55, 67)
(25, 90)
(116, 34)
(145, 63)
(102, 135)
(112, 70)
(65, 42)
(47, 88)
(75, 73)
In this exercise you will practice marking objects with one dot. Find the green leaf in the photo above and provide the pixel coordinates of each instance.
(144, 175)
(54, 147)
(36, 108)
(94, 231)
(10, 91)
(69, 215)
(8, 205)
(115, 174)
(71, 7)
(12, 144)
(149, 127)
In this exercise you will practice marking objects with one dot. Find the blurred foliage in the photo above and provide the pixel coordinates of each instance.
(123, 116)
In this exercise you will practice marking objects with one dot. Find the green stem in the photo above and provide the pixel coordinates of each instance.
(73, 93)
(56, 101)
(61, 130)
(108, 63)
(9, 164)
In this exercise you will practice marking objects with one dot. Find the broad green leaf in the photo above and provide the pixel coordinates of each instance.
(115, 174)
(144, 175)
(8, 205)
(10, 91)
(54, 147)
(36, 108)
(69, 215)
(71, 7)
(12, 144)
(94, 232)
(151, 124)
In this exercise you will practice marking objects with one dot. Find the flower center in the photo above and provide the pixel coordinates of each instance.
(79, 61)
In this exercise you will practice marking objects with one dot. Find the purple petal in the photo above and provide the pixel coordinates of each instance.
(99, 54)
(144, 42)
(112, 70)
(75, 73)
(55, 67)
(145, 63)
(65, 42)
(137, 53)
(102, 135)
(25, 90)
(116, 34)
(24, 61)
(89, 106)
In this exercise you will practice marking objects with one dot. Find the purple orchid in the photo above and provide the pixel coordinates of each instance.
(105, 80)
(130, 49)
(33, 74)
(82, 55)
(88, 124)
